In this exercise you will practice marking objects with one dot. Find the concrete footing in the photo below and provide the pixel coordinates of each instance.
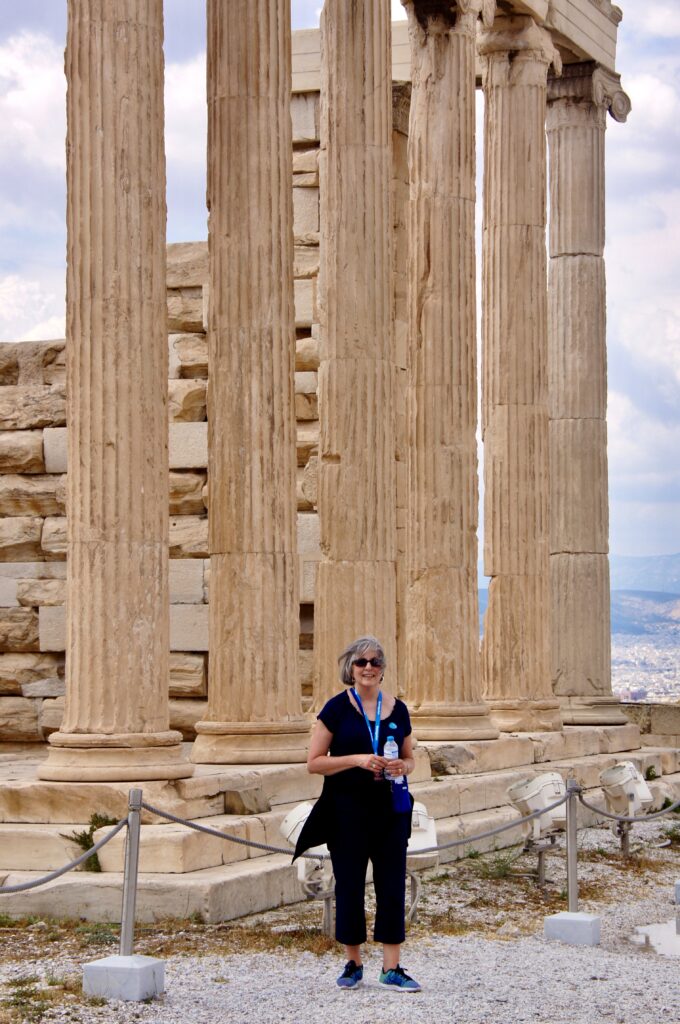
(132, 978)
(576, 929)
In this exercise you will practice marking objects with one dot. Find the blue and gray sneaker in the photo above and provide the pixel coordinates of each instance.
(351, 976)
(399, 980)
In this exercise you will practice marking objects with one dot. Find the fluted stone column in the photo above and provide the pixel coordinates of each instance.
(356, 582)
(115, 724)
(254, 710)
(442, 675)
(516, 646)
(577, 372)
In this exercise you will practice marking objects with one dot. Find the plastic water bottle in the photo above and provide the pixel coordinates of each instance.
(391, 751)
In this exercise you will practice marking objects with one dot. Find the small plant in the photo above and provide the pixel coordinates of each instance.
(664, 807)
(499, 865)
(85, 839)
(651, 773)
(672, 833)
(474, 855)
(98, 933)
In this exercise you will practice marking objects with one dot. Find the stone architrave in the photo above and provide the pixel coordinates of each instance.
(516, 55)
(115, 724)
(442, 672)
(254, 705)
(577, 375)
(356, 581)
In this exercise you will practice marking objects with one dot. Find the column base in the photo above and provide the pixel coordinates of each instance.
(526, 715)
(592, 711)
(251, 742)
(129, 757)
(453, 722)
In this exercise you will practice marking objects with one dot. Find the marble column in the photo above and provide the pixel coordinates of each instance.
(254, 705)
(516, 55)
(356, 582)
(115, 724)
(577, 374)
(442, 672)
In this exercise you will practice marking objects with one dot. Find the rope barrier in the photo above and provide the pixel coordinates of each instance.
(315, 856)
(269, 848)
(23, 886)
(632, 819)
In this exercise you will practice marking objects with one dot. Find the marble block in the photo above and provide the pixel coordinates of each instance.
(576, 929)
(132, 978)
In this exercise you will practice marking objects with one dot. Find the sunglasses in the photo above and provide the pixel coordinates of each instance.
(363, 662)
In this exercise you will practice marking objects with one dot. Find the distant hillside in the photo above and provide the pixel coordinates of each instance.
(660, 573)
(633, 612)
(643, 611)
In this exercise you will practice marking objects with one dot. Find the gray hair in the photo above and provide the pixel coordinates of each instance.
(357, 649)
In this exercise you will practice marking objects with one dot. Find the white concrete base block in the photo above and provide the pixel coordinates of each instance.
(132, 978)
(677, 892)
(576, 929)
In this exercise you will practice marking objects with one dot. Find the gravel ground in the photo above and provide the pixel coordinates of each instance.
(497, 968)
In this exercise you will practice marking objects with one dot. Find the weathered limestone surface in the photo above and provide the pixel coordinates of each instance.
(33, 362)
(356, 581)
(19, 670)
(188, 675)
(32, 593)
(19, 720)
(187, 264)
(30, 406)
(116, 716)
(185, 310)
(254, 712)
(190, 351)
(34, 495)
(516, 55)
(442, 624)
(188, 537)
(577, 374)
(18, 629)
(21, 452)
(53, 540)
(186, 493)
(20, 537)
(187, 400)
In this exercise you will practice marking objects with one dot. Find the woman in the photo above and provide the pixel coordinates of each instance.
(356, 814)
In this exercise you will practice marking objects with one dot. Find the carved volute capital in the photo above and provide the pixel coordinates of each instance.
(426, 15)
(520, 41)
(588, 84)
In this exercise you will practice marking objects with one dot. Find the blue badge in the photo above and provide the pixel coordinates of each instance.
(392, 725)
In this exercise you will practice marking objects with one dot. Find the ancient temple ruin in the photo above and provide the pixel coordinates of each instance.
(318, 368)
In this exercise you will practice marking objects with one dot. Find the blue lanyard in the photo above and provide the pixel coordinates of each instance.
(375, 732)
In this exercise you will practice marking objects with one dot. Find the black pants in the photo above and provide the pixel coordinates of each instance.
(382, 840)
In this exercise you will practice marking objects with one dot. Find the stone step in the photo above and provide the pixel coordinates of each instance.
(514, 750)
(231, 890)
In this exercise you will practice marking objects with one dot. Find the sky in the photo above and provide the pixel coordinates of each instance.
(643, 223)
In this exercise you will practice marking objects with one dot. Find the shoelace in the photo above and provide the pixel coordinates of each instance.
(350, 969)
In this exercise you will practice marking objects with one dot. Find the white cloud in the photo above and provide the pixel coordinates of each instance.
(642, 450)
(32, 101)
(653, 17)
(28, 310)
(186, 114)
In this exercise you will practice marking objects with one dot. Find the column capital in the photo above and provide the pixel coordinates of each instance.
(427, 12)
(519, 37)
(593, 84)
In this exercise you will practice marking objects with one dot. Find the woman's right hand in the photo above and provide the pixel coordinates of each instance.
(372, 763)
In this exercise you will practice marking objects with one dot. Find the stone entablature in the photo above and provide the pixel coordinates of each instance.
(583, 29)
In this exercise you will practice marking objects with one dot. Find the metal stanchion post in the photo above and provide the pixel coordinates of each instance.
(572, 845)
(127, 920)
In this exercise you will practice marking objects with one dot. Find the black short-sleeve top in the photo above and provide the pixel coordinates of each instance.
(351, 736)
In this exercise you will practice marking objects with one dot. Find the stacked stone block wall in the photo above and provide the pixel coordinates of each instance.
(33, 526)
